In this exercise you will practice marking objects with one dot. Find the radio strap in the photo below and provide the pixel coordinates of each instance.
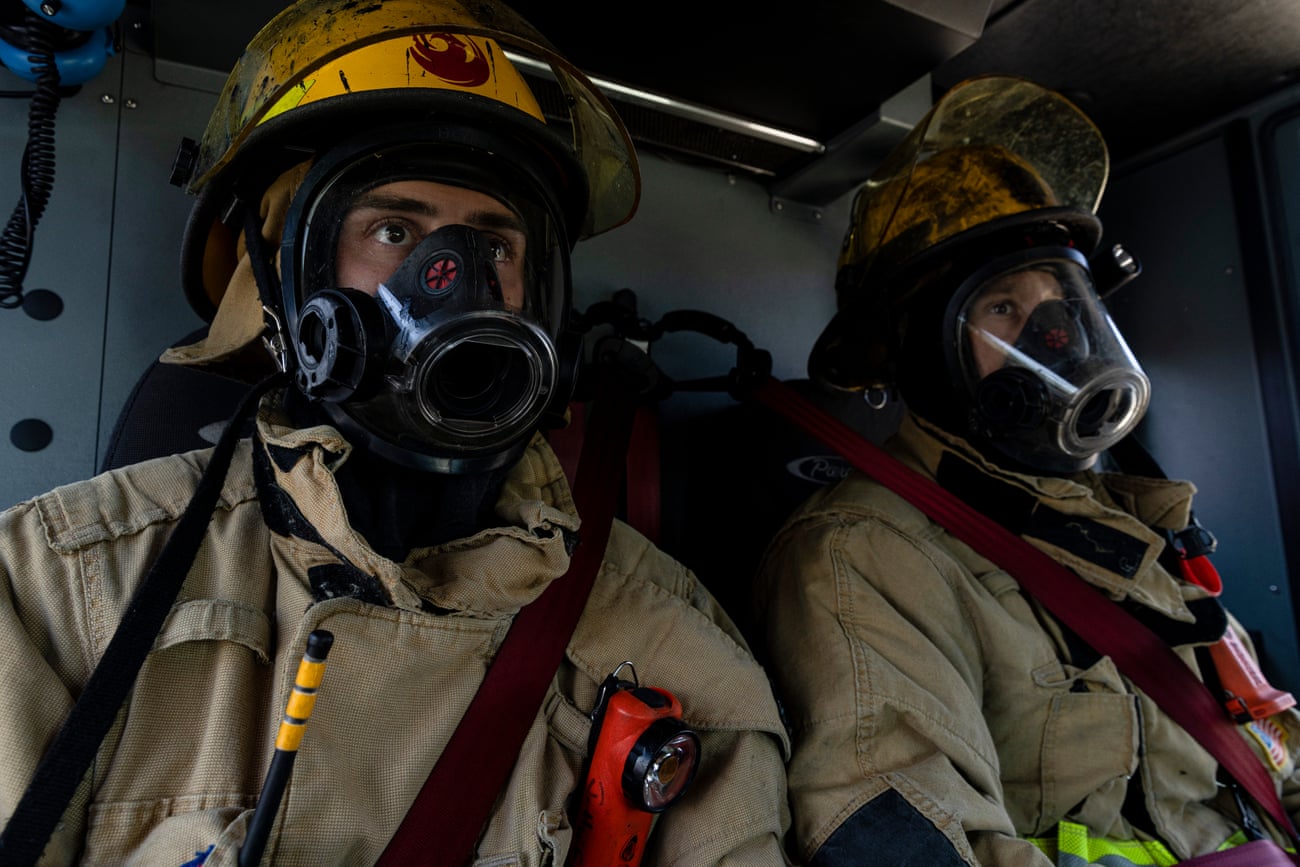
(1145, 659)
(445, 820)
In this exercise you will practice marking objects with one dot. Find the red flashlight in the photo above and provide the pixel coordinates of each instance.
(642, 759)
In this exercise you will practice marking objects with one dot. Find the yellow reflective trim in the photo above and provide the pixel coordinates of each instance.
(1073, 845)
(289, 738)
(1239, 839)
(1235, 840)
(300, 705)
(1046, 845)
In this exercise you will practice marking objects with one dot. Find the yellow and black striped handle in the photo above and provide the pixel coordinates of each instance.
(311, 671)
(302, 701)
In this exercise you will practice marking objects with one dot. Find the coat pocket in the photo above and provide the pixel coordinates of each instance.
(1091, 743)
(192, 744)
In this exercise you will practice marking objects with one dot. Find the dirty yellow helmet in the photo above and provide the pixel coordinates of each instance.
(320, 70)
(996, 154)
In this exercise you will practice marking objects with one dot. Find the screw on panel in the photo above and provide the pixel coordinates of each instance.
(131, 103)
(796, 210)
(107, 99)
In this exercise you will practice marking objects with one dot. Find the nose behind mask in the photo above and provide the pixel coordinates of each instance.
(1053, 336)
(434, 369)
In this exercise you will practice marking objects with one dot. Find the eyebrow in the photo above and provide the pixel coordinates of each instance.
(501, 220)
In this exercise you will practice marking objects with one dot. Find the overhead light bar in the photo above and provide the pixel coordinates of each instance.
(689, 111)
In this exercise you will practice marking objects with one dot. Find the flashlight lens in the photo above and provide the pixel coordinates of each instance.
(661, 765)
(671, 770)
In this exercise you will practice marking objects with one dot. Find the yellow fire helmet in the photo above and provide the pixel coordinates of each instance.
(994, 152)
(322, 69)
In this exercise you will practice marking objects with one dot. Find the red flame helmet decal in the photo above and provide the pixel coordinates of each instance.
(452, 58)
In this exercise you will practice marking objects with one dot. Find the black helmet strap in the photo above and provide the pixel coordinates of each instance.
(268, 289)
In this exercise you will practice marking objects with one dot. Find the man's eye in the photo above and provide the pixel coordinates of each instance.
(1000, 308)
(499, 250)
(391, 233)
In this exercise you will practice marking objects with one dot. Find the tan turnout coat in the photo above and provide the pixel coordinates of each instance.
(180, 770)
(910, 664)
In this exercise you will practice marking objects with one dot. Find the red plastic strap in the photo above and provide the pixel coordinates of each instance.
(444, 822)
(1139, 653)
(1201, 572)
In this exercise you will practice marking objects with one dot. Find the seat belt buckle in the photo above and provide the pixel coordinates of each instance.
(1194, 544)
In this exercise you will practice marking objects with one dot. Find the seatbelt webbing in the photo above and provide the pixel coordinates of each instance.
(445, 820)
(644, 498)
(1136, 651)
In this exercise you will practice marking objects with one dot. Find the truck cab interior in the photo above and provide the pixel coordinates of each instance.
(754, 128)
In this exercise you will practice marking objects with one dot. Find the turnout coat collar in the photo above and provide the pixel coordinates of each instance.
(497, 570)
(1102, 525)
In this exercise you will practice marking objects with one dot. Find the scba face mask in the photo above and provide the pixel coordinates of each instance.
(425, 305)
(1049, 380)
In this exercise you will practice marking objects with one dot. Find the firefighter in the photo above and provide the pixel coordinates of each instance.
(385, 214)
(939, 713)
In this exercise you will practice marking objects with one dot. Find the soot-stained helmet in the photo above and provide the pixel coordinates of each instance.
(323, 70)
(329, 94)
(990, 200)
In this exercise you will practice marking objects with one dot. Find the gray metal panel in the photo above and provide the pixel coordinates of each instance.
(51, 369)
(146, 309)
(709, 241)
(1187, 318)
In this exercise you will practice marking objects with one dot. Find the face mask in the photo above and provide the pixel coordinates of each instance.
(1049, 380)
(434, 364)
(448, 360)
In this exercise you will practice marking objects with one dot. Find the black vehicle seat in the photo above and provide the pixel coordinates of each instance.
(732, 477)
(171, 410)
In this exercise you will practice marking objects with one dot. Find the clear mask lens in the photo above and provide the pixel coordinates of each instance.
(1049, 378)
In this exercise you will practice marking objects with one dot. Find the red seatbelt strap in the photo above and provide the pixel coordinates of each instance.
(644, 507)
(444, 822)
(1256, 853)
(566, 441)
(1138, 652)
(644, 500)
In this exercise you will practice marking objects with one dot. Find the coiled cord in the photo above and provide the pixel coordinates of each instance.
(37, 164)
